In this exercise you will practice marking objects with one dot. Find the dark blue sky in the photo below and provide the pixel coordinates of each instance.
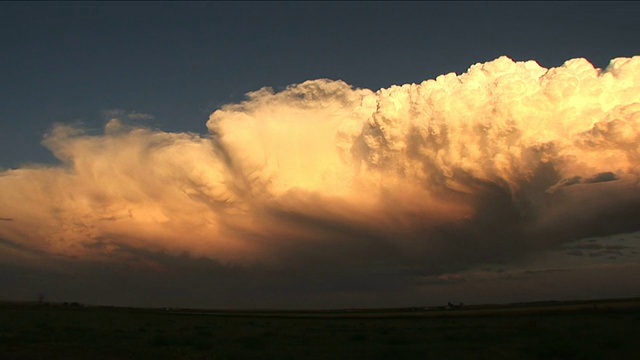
(179, 61)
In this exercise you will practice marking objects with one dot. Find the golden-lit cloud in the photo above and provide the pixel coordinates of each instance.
(485, 166)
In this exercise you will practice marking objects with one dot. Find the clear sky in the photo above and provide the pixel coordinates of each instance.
(128, 175)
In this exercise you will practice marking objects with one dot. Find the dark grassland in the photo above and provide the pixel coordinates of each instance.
(568, 330)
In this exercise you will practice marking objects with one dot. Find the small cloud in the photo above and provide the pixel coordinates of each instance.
(571, 181)
(563, 183)
(125, 114)
(595, 249)
(575, 253)
(543, 271)
(591, 246)
(602, 177)
(605, 253)
(575, 180)
(5, 219)
(140, 116)
(112, 113)
(444, 279)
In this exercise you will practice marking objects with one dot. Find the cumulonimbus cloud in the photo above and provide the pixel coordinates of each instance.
(506, 158)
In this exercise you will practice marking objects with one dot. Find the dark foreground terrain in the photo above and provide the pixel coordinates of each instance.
(568, 330)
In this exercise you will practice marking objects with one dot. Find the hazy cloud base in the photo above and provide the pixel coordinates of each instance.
(325, 189)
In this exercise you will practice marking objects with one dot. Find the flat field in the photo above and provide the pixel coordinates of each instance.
(554, 330)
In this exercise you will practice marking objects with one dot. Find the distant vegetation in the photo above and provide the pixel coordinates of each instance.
(548, 330)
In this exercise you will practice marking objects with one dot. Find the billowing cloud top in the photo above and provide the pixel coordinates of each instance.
(506, 158)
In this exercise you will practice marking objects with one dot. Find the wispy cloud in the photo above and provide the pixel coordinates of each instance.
(121, 114)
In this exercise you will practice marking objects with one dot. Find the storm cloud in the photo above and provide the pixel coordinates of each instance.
(367, 188)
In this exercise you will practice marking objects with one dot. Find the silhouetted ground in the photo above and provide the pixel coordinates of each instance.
(571, 330)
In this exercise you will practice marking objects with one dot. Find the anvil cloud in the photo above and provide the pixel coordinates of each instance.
(506, 159)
